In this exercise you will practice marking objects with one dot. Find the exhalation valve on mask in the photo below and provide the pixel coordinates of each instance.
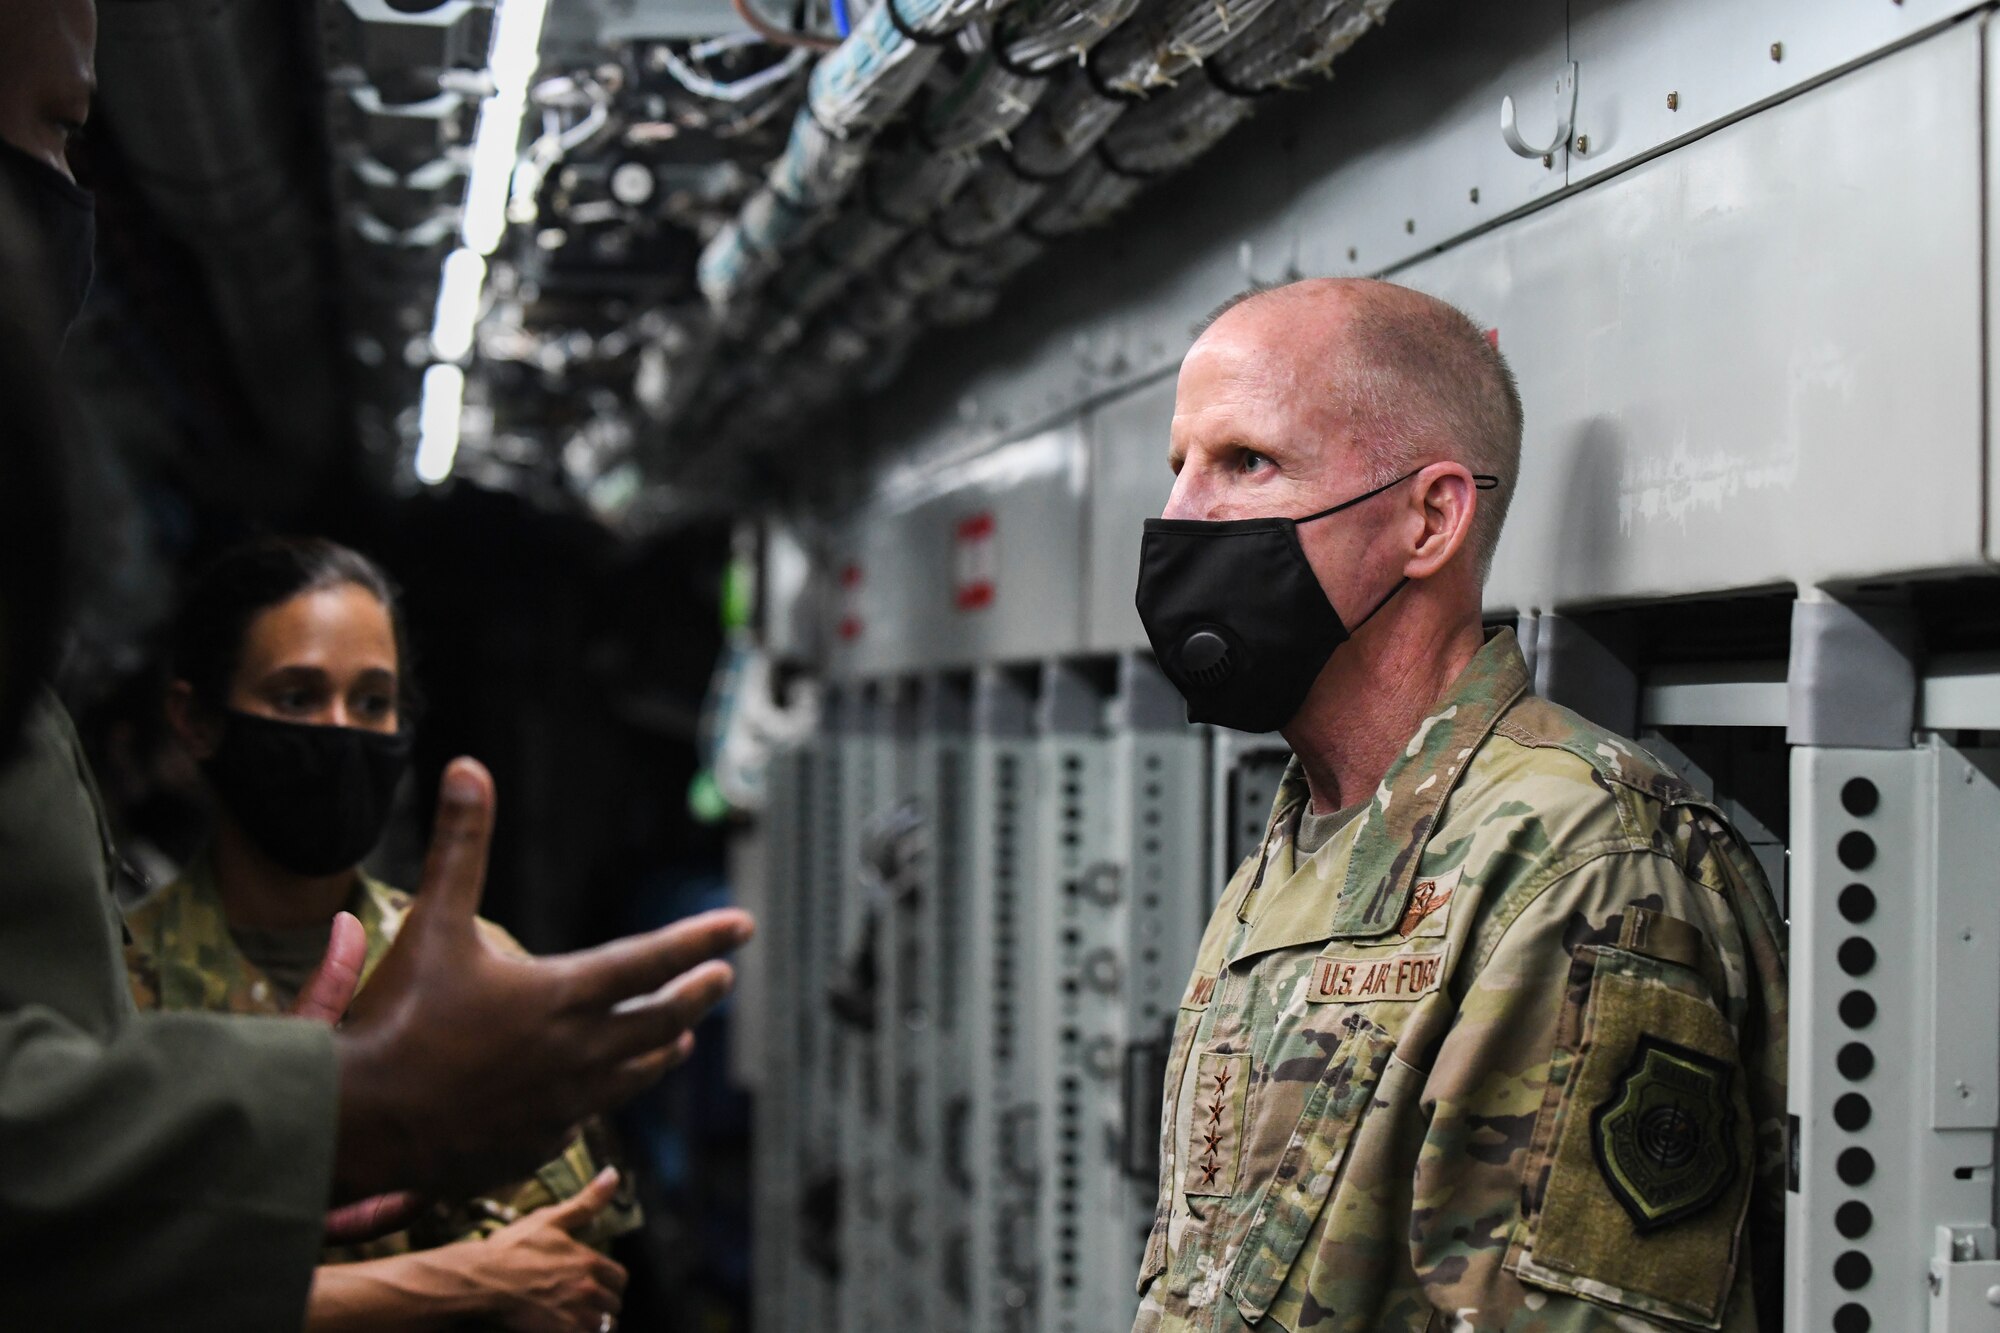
(1236, 616)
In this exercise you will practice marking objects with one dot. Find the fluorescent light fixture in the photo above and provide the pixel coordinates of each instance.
(437, 422)
(516, 54)
(457, 305)
(517, 44)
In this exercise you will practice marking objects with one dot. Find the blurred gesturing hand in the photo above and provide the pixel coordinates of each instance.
(461, 1067)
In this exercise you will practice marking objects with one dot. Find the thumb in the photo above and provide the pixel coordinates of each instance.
(455, 869)
(327, 992)
(579, 1210)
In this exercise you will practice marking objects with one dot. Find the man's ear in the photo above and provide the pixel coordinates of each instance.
(1446, 498)
(190, 721)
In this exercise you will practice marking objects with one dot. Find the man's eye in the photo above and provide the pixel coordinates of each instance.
(374, 707)
(295, 701)
(1251, 461)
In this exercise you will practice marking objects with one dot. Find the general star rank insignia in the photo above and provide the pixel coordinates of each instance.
(1664, 1139)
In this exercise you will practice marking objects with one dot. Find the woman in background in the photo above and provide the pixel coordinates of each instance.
(290, 686)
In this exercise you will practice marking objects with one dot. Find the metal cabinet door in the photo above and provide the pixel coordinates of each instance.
(1129, 483)
(1649, 74)
(1755, 360)
(1404, 152)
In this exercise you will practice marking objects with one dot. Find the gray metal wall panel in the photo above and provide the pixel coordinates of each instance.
(1754, 360)
(1129, 483)
(915, 562)
(1420, 160)
(1716, 58)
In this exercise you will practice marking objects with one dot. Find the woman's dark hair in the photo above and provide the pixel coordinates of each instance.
(248, 580)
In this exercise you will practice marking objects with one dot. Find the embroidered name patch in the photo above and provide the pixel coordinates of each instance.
(1201, 989)
(1366, 979)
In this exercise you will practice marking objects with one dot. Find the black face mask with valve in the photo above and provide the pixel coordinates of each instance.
(61, 220)
(314, 799)
(1236, 615)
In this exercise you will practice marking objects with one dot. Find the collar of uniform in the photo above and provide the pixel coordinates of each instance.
(1374, 860)
(196, 953)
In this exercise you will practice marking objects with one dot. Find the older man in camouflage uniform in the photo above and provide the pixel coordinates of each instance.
(1490, 1032)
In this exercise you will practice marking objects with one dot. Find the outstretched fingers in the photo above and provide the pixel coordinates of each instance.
(657, 1020)
(634, 968)
(455, 868)
(331, 987)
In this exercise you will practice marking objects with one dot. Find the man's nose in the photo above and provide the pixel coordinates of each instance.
(1190, 497)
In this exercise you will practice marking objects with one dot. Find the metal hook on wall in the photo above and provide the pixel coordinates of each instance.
(1565, 118)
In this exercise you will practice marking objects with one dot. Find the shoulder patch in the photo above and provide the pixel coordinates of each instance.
(1664, 1139)
(1539, 724)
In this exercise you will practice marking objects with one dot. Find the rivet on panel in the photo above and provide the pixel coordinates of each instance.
(1548, 159)
(1475, 194)
(1777, 50)
(1673, 101)
(1583, 143)
(1410, 226)
(1352, 254)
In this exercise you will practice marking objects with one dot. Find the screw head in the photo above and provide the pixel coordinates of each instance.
(1352, 254)
(1673, 101)
(1410, 226)
(1777, 50)
(1548, 159)
(1583, 143)
(1475, 194)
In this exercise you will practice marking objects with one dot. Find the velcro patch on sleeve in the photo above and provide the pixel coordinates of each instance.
(1648, 1171)
(1356, 976)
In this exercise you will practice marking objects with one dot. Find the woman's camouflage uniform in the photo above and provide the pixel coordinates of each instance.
(182, 956)
(1508, 1052)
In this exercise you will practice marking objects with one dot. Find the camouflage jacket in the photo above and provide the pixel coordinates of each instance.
(1508, 1052)
(182, 956)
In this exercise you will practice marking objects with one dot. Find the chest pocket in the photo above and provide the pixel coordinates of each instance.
(1311, 1162)
(1200, 991)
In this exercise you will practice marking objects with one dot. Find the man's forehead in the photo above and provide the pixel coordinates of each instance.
(1265, 361)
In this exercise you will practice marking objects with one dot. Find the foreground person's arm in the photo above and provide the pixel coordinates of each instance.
(172, 1171)
(532, 1276)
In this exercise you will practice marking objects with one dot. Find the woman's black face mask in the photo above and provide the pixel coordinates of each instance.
(1236, 615)
(314, 799)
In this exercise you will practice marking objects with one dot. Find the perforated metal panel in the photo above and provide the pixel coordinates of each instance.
(864, 757)
(777, 1150)
(1002, 1007)
(946, 746)
(1079, 970)
(1133, 898)
(905, 1135)
(1894, 1054)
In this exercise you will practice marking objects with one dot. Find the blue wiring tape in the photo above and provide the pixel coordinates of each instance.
(840, 20)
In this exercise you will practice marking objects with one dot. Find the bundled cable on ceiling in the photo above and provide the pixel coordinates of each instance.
(1000, 157)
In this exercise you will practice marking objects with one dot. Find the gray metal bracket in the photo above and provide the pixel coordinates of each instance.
(1964, 1280)
(1576, 667)
(1146, 700)
(1852, 681)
